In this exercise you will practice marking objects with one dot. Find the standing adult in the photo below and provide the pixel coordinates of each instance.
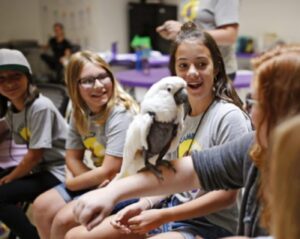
(218, 17)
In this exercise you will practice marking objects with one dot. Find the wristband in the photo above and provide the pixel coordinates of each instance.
(150, 202)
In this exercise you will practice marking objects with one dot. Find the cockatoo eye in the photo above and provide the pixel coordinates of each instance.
(169, 89)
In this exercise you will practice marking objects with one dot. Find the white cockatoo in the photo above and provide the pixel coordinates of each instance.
(156, 129)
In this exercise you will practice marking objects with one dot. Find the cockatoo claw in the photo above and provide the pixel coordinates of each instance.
(166, 164)
(150, 167)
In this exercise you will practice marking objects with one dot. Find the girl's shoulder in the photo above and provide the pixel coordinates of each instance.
(223, 109)
(120, 116)
(120, 111)
(42, 103)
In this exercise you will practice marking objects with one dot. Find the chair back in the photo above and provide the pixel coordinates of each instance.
(57, 93)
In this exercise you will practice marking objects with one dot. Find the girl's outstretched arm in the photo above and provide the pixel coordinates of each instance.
(94, 206)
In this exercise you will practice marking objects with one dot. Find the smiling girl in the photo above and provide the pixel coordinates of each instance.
(102, 112)
(214, 117)
(35, 122)
(241, 163)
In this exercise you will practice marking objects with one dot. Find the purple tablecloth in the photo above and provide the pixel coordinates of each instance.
(243, 79)
(129, 59)
(133, 78)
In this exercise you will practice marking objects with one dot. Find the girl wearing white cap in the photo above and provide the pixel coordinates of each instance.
(36, 122)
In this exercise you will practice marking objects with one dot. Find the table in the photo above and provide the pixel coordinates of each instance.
(141, 81)
(134, 78)
(243, 79)
(128, 59)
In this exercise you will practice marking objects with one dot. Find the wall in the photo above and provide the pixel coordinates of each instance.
(21, 19)
(258, 17)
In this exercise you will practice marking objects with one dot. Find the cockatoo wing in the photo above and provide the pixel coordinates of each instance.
(179, 121)
(136, 141)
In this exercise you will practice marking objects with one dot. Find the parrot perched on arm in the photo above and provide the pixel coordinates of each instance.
(156, 130)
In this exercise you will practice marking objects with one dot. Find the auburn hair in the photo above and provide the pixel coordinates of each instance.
(277, 81)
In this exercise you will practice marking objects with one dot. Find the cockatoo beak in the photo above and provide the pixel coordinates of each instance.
(181, 96)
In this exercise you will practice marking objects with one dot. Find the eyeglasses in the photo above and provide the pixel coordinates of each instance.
(250, 102)
(90, 81)
(10, 77)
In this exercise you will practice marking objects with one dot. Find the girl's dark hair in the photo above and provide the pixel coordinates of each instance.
(32, 94)
(222, 84)
(3, 106)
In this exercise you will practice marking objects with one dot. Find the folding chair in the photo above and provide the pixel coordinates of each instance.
(58, 95)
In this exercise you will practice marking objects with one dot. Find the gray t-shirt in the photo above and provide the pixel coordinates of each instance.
(223, 122)
(229, 166)
(102, 139)
(41, 126)
(212, 14)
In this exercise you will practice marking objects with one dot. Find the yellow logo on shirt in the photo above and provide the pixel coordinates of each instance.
(185, 145)
(190, 10)
(25, 133)
(97, 149)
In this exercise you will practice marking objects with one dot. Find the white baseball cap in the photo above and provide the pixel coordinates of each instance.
(14, 60)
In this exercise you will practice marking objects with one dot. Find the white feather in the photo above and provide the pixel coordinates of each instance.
(160, 100)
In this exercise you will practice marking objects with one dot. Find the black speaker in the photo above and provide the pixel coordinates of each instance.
(145, 17)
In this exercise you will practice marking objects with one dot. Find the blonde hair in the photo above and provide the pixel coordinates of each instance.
(285, 180)
(80, 109)
(277, 77)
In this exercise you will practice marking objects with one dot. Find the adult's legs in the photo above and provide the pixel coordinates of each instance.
(55, 65)
(103, 231)
(49, 60)
(44, 210)
(25, 189)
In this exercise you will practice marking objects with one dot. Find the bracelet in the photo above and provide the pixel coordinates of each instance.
(150, 202)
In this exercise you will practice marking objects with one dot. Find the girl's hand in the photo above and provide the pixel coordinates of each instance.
(169, 29)
(120, 221)
(146, 221)
(69, 174)
(94, 206)
(5, 179)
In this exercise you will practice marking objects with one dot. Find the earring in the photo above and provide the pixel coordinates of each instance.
(214, 87)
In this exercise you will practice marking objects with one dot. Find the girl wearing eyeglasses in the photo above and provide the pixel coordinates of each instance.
(102, 112)
(34, 121)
